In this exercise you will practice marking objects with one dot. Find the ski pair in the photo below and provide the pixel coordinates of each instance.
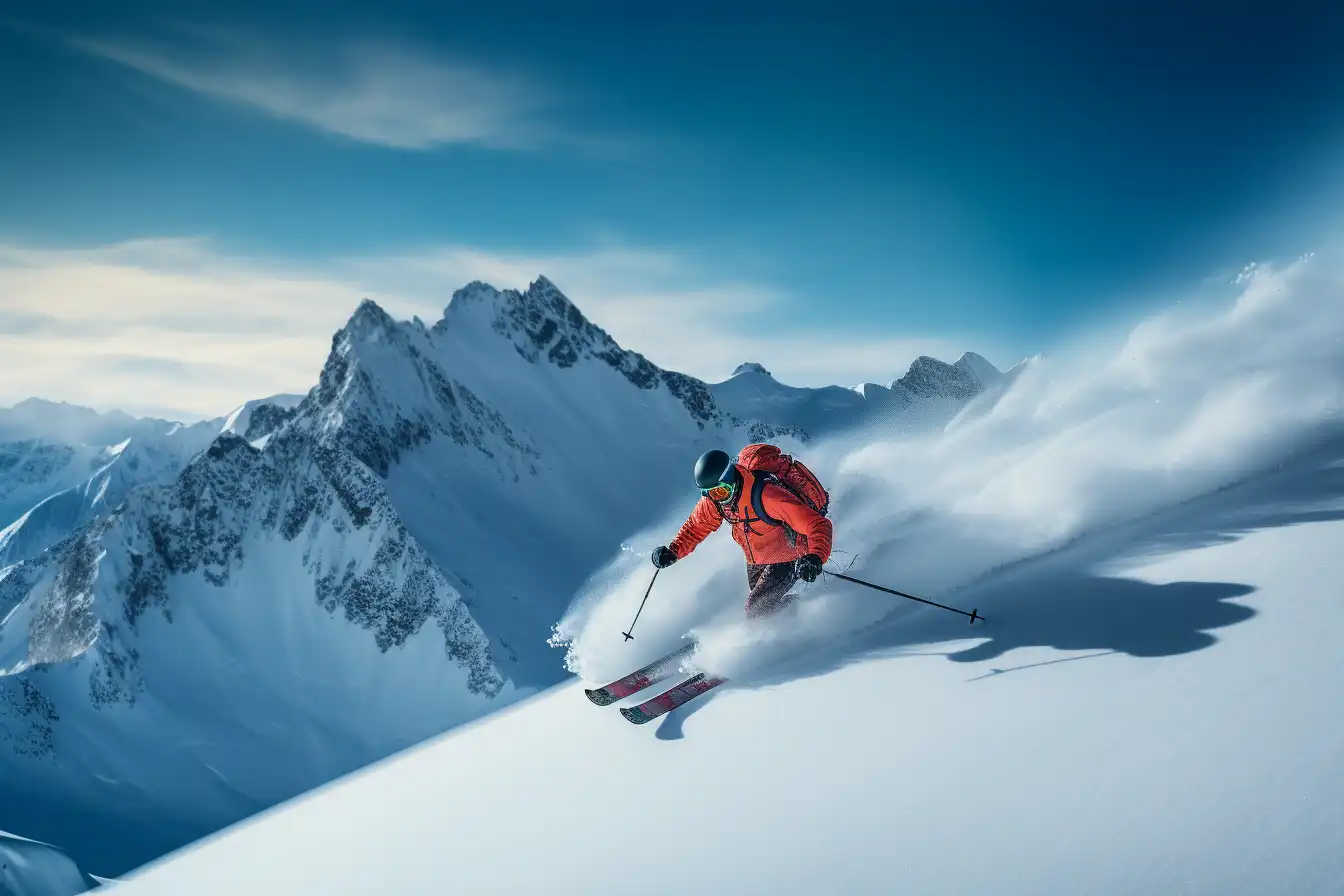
(656, 671)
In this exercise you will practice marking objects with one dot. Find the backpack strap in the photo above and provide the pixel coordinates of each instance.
(757, 504)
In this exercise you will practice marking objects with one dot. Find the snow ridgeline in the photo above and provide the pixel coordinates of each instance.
(29, 868)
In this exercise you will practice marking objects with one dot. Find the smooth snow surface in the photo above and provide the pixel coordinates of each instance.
(29, 868)
(1154, 540)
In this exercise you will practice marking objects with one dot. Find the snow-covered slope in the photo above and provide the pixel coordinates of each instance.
(59, 421)
(752, 392)
(29, 868)
(32, 470)
(384, 566)
(39, 505)
(928, 395)
(259, 418)
(1141, 713)
(150, 459)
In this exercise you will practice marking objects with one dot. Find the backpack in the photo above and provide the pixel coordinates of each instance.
(769, 464)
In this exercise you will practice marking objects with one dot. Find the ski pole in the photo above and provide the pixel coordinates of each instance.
(974, 614)
(627, 634)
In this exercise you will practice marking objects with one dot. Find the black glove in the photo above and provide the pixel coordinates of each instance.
(808, 567)
(663, 556)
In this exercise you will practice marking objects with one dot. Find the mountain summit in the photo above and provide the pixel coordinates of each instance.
(751, 367)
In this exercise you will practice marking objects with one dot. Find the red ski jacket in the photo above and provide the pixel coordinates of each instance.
(804, 531)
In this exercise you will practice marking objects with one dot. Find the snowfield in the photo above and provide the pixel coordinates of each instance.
(1153, 536)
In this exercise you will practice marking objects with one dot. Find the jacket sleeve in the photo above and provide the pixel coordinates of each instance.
(782, 505)
(704, 519)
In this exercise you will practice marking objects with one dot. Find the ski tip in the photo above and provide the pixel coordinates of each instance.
(635, 714)
(600, 696)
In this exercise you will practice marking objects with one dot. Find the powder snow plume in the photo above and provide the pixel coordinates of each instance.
(1188, 401)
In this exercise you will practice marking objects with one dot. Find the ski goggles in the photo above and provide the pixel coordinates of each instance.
(721, 492)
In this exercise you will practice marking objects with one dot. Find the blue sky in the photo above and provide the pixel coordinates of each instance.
(836, 191)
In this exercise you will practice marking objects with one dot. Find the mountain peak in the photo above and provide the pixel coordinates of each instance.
(930, 378)
(369, 319)
(979, 367)
(751, 367)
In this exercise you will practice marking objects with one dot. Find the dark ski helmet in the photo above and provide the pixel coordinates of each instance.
(714, 469)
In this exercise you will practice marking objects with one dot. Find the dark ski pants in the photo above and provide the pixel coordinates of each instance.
(769, 585)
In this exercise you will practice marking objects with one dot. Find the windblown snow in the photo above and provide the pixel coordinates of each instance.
(1153, 540)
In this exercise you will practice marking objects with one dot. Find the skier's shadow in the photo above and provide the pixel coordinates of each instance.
(1078, 611)
(670, 727)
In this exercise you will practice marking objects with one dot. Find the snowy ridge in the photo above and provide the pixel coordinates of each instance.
(382, 394)
(931, 378)
(32, 470)
(259, 418)
(929, 394)
(46, 447)
(52, 421)
(45, 506)
(29, 868)
(140, 460)
(543, 322)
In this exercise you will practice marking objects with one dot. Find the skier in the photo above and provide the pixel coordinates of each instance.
(784, 539)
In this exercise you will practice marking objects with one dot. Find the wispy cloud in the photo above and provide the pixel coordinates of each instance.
(24, 322)
(382, 93)
(168, 306)
(175, 323)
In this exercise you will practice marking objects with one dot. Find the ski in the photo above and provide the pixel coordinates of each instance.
(671, 698)
(656, 671)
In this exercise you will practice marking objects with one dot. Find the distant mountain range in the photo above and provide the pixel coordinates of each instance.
(929, 393)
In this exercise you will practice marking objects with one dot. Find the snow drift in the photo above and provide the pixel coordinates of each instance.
(29, 868)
